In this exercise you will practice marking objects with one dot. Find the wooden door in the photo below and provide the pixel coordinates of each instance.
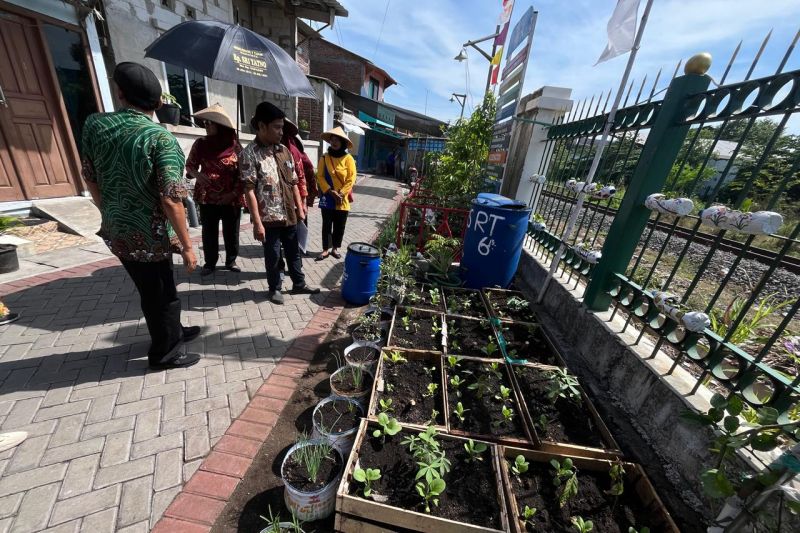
(34, 139)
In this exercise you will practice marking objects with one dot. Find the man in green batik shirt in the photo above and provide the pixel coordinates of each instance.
(133, 168)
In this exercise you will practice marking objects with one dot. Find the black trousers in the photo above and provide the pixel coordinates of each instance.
(160, 306)
(210, 216)
(333, 223)
(273, 239)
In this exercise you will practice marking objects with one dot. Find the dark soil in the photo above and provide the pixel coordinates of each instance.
(526, 341)
(420, 334)
(471, 492)
(345, 381)
(360, 334)
(296, 473)
(337, 416)
(465, 302)
(566, 421)
(407, 385)
(470, 337)
(364, 354)
(498, 302)
(484, 416)
(536, 489)
(419, 296)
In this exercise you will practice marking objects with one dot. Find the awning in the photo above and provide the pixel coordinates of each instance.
(351, 124)
(372, 120)
(403, 118)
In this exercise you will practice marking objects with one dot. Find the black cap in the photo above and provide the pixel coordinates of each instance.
(266, 112)
(139, 85)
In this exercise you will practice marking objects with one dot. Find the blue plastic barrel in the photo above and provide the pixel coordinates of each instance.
(493, 241)
(362, 267)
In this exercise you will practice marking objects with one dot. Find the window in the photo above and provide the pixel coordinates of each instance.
(189, 89)
(374, 88)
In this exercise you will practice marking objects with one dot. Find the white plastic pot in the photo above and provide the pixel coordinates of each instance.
(309, 506)
(758, 223)
(342, 441)
(359, 397)
(370, 365)
(679, 207)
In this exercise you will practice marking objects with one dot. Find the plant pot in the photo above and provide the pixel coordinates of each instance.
(359, 396)
(358, 335)
(309, 506)
(370, 362)
(305, 134)
(8, 318)
(9, 261)
(169, 114)
(285, 527)
(355, 513)
(656, 515)
(341, 440)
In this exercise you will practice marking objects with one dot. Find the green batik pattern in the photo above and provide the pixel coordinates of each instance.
(134, 162)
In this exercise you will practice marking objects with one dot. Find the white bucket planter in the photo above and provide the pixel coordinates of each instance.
(369, 364)
(758, 223)
(587, 254)
(283, 527)
(693, 321)
(309, 506)
(342, 441)
(605, 193)
(360, 397)
(538, 226)
(679, 207)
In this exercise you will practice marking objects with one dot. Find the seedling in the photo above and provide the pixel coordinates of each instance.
(456, 383)
(520, 465)
(430, 492)
(563, 385)
(542, 423)
(494, 368)
(527, 516)
(508, 415)
(481, 386)
(434, 414)
(429, 370)
(504, 395)
(634, 530)
(389, 387)
(452, 361)
(274, 524)
(386, 405)
(311, 455)
(367, 477)
(357, 373)
(490, 349)
(581, 525)
(474, 450)
(413, 297)
(459, 412)
(389, 426)
(436, 329)
(432, 388)
(565, 474)
(394, 357)
(435, 296)
(617, 475)
(515, 303)
(406, 320)
(370, 325)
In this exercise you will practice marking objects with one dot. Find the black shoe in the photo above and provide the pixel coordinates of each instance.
(206, 271)
(181, 360)
(322, 257)
(337, 255)
(233, 267)
(190, 333)
(305, 289)
(275, 297)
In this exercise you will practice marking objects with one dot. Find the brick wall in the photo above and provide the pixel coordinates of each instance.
(330, 62)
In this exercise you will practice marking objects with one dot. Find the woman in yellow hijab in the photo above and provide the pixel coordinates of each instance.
(336, 175)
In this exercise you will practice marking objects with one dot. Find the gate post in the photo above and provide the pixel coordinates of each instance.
(658, 155)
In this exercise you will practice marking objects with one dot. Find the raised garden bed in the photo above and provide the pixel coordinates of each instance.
(560, 415)
(425, 297)
(637, 506)
(404, 388)
(417, 330)
(465, 302)
(509, 305)
(528, 342)
(473, 337)
(472, 499)
(482, 403)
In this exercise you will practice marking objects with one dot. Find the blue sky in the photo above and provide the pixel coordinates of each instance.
(421, 37)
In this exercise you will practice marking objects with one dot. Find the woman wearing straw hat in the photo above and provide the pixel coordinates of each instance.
(336, 175)
(214, 162)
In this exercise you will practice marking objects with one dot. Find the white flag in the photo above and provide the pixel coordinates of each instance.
(621, 29)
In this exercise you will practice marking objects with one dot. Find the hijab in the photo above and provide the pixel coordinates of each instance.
(337, 153)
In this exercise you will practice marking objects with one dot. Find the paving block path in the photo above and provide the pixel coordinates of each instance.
(112, 443)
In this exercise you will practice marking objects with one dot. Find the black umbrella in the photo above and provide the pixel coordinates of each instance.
(229, 52)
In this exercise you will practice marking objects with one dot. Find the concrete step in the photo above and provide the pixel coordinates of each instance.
(75, 214)
(25, 248)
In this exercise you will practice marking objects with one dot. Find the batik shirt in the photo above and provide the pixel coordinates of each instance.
(269, 170)
(135, 163)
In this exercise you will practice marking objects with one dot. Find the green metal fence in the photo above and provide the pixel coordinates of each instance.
(727, 145)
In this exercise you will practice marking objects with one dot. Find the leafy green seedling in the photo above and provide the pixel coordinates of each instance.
(394, 357)
(494, 368)
(504, 395)
(481, 386)
(430, 492)
(567, 475)
(508, 415)
(490, 349)
(527, 515)
(515, 303)
(367, 477)
(581, 525)
(453, 361)
(389, 426)
(386, 405)
(431, 390)
(456, 383)
(406, 321)
(520, 465)
(459, 412)
(474, 450)
(434, 414)
(563, 385)
(435, 296)
(617, 475)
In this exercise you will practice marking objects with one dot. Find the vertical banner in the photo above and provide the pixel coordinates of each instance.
(503, 22)
(511, 82)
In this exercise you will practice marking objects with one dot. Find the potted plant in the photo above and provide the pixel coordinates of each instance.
(336, 420)
(441, 252)
(311, 472)
(170, 110)
(9, 261)
(362, 354)
(351, 381)
(274, 524)
(368, 329)
(304, 131)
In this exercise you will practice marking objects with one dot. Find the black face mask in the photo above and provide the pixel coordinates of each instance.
(337, 153)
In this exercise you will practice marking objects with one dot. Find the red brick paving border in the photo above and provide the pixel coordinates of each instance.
(196, 508)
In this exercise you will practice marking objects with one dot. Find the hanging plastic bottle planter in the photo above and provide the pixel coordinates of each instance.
(757, 223)
(587, 254)
(578, 186)
(677, 207)
(605, 193)
(694, 321)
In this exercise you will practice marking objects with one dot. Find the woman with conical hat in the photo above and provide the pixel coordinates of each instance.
(214, 162)
(336, 176)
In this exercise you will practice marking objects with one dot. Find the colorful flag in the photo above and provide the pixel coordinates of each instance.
(621, 29)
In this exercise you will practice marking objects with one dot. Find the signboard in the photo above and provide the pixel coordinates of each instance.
(503, 23)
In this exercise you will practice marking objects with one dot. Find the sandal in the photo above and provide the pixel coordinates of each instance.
(337, 255)
(322, 256)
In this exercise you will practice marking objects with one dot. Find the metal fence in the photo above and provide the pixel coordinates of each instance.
(722, 146)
